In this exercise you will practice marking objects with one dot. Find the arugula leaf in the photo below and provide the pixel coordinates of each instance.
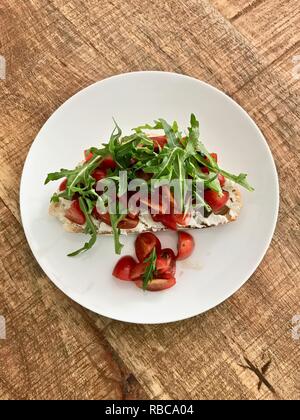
(179, 169)
(90, 228)
(151, 268)
(202, 201)
(114, 139)
(173, 140)
(159, 168)
(239, 179)
(157, 126)
(80, 175)
(115, 220)
(194, 134)
(55, 198)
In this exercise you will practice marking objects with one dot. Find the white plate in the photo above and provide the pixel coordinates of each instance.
(225, 257)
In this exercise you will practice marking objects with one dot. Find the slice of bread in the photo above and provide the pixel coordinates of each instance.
(233, 208)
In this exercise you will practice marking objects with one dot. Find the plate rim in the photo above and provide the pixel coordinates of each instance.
(250, 272)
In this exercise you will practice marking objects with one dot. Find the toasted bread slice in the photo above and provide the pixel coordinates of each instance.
(233, 207)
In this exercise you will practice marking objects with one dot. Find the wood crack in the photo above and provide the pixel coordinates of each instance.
(260, 373)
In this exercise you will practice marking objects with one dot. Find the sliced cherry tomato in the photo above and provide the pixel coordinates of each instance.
(124, 267)
(204, 169)
(166, 219)
(75, 214)
(63, 185)
(128, 223)
(160, 202)
(132, 216)
(138, 271)
(166, 264)
(214, 156)
(182, 219)
(157, 285)
(108, 163)
(88, 155)
(167, 198)
(159, 142)
(215, 201)
(186, 245)
(143, 175)
(99, 174)
(222, 180)
(144, 245)
(103, 217)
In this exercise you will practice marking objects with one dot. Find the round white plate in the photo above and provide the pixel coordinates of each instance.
(225, 256)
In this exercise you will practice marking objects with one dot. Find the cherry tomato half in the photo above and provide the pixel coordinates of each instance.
(99, 174)
(166, 219)
(75, 214)
(138, 271)
(88, 155)
(108, 163)
(186, 245)
(182, 219)
(63, 185)
(144, 245)
(124, 267)
(222, 180)
(156, 285)
(159, 142)
(215, 201)
(166, 264)
(129, 222)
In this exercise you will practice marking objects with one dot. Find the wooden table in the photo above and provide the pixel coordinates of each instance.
(56, 349)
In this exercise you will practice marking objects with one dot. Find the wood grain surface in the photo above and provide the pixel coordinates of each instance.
(244, 348)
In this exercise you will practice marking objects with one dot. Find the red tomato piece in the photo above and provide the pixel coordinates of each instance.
(103, 217)
(214, 156)
(182, 219)
(108, 163)
(166, 219)
(204, 169)
(144, 245)
(138, 271)
(132, 216)
(166, 264)
(222, 180)
(99, 174)
(75, 214)
(128, 223)
(143, 175)
(156, 285)
(63, 185)
(186, 245)
(88, 155)
(124, 267)
(215, 201)
(159, 142)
